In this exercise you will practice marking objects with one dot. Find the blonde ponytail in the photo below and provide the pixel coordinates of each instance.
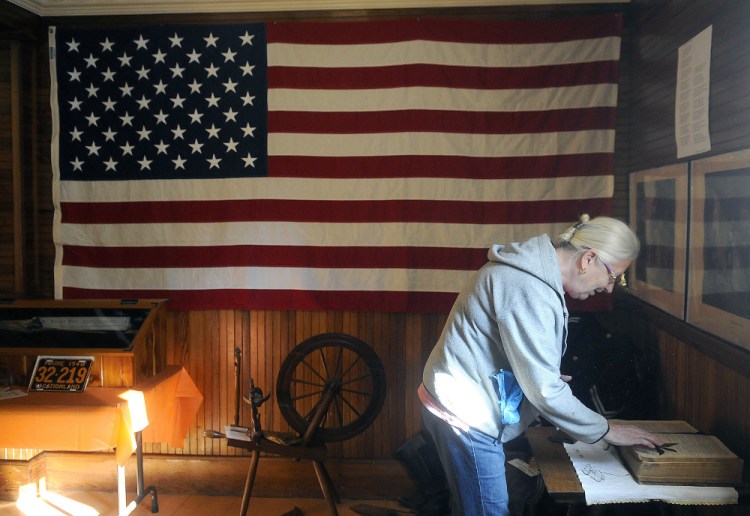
(614, 240)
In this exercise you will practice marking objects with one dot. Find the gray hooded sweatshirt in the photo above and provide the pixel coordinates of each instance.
(510, 316)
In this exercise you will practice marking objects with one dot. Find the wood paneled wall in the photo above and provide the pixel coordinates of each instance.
(660, 28)
(703, 379)
(24, 202)
(712, 395)
(204, 342)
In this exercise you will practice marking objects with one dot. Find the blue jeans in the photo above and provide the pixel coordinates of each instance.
(474, 465)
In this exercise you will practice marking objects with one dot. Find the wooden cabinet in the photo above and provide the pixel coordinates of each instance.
(125, 337)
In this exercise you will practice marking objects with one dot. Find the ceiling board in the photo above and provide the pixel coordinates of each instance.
(125, 7)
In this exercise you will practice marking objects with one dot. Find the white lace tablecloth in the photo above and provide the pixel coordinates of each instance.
(605, 479)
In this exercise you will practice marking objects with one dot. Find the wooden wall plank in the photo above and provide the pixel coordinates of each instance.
(7, 251)
(17, 130)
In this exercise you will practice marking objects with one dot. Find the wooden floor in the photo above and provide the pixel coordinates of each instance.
(105, 504)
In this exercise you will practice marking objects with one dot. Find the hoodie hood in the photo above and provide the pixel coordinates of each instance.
(532, 257)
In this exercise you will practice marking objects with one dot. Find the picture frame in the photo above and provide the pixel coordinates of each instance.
(659, 216)
(719, 268)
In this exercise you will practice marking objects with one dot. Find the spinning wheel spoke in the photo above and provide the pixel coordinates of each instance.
(351, 407)
(357, 379)
(341, 371)
(359, 393)
(356, 361)
(307, 395)
(325, 364)
(315, 371)
(308, 382)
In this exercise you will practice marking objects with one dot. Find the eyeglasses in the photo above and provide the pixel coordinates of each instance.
(613, 276)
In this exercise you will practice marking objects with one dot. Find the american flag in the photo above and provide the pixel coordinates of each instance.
(322, 166)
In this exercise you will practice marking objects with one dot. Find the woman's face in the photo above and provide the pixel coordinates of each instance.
(599, 276)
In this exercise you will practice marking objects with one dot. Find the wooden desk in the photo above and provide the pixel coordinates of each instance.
(559, 477)
(160, 409)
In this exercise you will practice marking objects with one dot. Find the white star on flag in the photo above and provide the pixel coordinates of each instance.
(159, 101)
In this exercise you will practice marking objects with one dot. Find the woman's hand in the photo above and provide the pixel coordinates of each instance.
(628, 435)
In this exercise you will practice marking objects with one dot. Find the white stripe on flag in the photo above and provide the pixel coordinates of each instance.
(441, 144)
(472, 236)
(444, 53)
(455, 99)
(273, 278)
(429, 189)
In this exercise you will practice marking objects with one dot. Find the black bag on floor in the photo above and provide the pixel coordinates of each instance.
(420, 459)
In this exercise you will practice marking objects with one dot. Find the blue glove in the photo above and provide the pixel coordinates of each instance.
(509, 395)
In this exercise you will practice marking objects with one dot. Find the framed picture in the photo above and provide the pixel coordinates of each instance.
(719, 277)
(659, 216)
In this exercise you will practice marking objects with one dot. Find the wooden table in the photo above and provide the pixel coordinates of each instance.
(160, 409)
(559, 477)
(556, 470)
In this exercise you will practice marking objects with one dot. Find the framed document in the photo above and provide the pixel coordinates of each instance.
(61, 374)
(659, 216)
(719, 277)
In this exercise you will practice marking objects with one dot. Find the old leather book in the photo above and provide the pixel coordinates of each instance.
(686, 458)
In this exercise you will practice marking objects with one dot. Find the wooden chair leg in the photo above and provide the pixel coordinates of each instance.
(249, 482)
(326, 485)
(329, 482)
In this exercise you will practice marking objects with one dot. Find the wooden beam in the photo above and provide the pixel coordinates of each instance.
(35, 203)
(16, 160)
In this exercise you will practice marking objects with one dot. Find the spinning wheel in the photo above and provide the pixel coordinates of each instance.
(331, 387)
(335, 371)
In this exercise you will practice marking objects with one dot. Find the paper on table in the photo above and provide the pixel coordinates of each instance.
(238, 433)
(8, 393)
(530, 469)
(606, 480)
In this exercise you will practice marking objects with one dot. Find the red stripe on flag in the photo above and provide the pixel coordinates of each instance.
(453, 212)
(464, 31)
(442, 121)
(576, 74)
(570, 165)
(276, 256)
(310, 300)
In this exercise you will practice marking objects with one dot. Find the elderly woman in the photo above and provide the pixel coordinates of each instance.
(496, 366)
